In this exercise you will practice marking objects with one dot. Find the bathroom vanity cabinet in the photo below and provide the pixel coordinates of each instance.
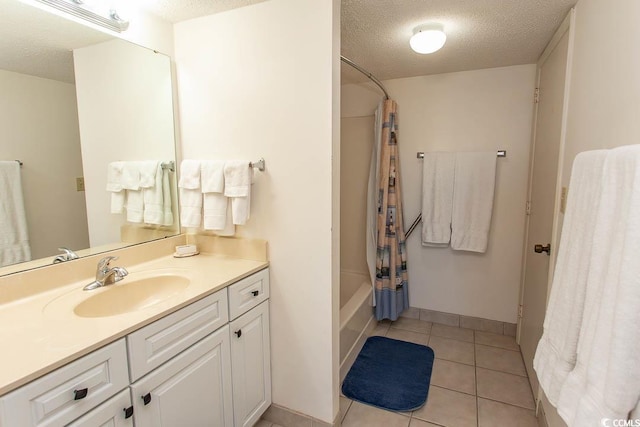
(205, 364)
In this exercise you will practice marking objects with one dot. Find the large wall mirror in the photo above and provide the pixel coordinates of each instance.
(75, 100)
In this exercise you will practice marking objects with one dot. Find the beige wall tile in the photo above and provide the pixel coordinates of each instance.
(482, 324)
(411, 313)
(285, 417)
(439, 317)
(510, 329)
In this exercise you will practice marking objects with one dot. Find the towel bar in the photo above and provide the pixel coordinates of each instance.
(260, 164)
(500, 153)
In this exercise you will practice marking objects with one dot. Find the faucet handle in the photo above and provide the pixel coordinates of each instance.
(103, 264)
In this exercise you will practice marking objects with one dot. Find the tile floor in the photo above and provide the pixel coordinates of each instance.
(478, 380)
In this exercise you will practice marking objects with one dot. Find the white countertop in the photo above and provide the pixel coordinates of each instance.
(41, 332)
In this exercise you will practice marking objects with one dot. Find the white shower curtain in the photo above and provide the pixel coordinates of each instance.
(372, 201)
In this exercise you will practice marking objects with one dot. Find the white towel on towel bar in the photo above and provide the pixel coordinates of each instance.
(237, 185)
(148, 171)
(605, 382)
(215, 202)
(154, 199)
(437, 198)
(190, 194)
(114, 186)
(556, 353)
(14, 240)
(473, 189)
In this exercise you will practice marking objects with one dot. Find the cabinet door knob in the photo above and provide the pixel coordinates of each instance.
(255, 293)
(128, 412)
(238, 333)
(80, 394)
(146, 398)
(542, 248)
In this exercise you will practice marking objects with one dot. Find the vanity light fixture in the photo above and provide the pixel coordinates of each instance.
(428, 38)
(90, 11)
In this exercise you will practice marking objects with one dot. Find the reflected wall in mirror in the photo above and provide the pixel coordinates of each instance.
(67, 120)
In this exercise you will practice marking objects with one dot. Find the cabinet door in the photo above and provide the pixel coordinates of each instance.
(251, 365)
(192, 389)
(115, 412)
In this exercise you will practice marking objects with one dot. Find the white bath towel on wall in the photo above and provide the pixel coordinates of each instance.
(237, 185)
(557, 350)
(437, 198)
(212, 176)
(148, 171)
(190, 194)
(114, 186)
(605, 382)
(154, 199)
(167, 198)
(14, 240)
(473, 190)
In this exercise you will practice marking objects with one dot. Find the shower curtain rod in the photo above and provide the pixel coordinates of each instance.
(366, 73)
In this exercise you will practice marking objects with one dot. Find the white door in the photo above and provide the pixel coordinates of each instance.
(193, 389)
(251, 365)
(546, 150)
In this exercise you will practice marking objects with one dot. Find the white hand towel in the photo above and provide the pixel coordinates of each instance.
(131, 175)
(14, 240)
(241, 209)
(229, 228)
(148, 171)
(237, 178)
(212, 176)
(167, 198)
(135, 206)
(189, 174)
(473, 188)
(605, 382)
(215, 211)
(556, 353)
(114, 185)
(190, 194)
(437, 198)
(154, 199)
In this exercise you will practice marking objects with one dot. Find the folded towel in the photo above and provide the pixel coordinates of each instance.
(131, 175)
(605, 382)
(215, 211)
(167, 198)
(229, 228)
(212, 176)
(437, 198)
(154, 199)
(148, 170)
(14, 240)
(556, 353)
(241, 209)
(114, 185)
(135, 206)
(114, 176)
(237, 178)
(189, 174)
(473, 188)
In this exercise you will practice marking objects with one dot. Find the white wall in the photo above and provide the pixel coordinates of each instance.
(126, 113)
(468, 111)
(604, 90)
(258, 82)
(39, 125)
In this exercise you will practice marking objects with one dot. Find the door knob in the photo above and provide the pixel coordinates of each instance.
(546, 248)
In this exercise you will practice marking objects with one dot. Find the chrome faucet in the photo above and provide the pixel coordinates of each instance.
(68, 255)
(105, 275)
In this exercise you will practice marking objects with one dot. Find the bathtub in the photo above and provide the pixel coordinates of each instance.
(356, 317)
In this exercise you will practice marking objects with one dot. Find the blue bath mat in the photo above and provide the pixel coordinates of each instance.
(390, 374)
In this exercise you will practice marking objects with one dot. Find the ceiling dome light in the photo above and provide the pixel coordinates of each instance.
(428, 38)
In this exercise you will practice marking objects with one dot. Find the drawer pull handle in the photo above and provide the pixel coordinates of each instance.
(255, 293)
(128, 412)
(238, 333)
(80, 394)
(146, 398)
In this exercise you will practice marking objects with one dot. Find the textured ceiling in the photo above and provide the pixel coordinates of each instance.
(39, 43)
(480, 34)
(181, 10)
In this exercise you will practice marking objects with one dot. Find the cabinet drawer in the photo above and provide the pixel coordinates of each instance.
(248, 293)
(158, 342)
(67, 393)
(111, 413)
